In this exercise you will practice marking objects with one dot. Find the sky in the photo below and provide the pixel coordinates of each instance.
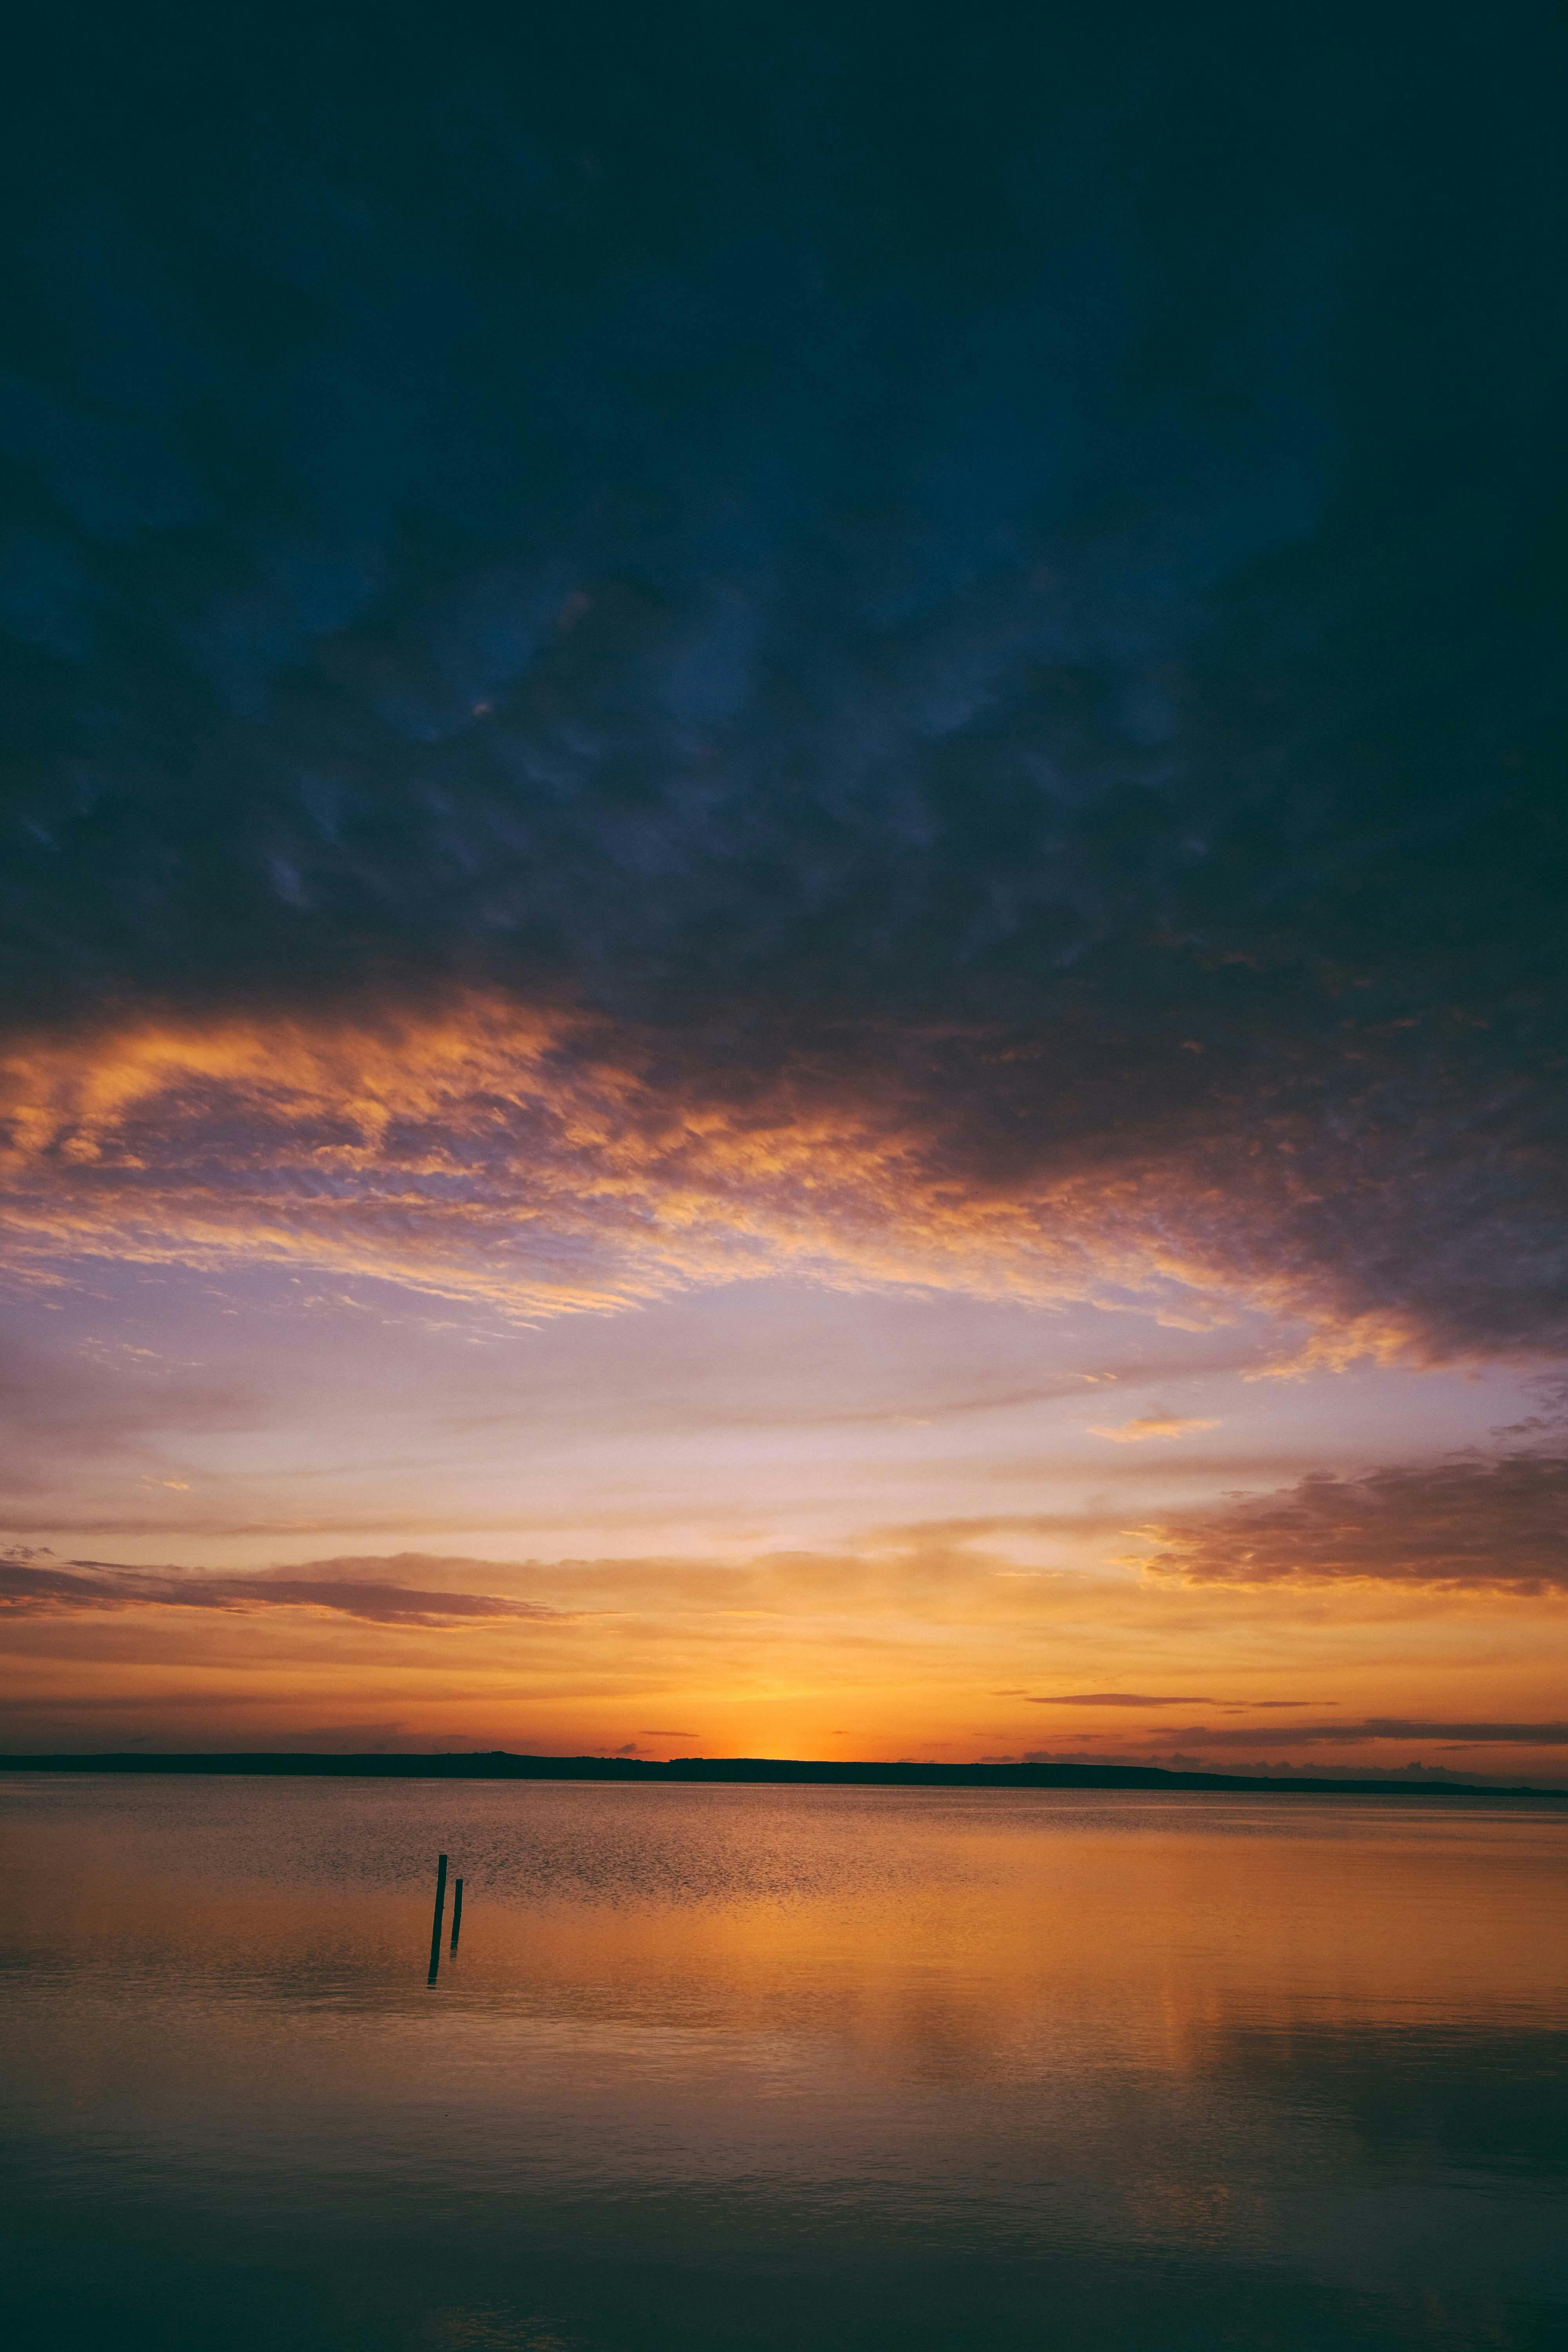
(782, 905)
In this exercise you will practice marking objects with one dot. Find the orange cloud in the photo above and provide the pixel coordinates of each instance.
(1150, 1424)
(544, 1163)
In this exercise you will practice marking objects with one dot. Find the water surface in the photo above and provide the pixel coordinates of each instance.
(761, 2067)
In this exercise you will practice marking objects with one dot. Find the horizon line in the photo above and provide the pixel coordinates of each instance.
(501, 1763)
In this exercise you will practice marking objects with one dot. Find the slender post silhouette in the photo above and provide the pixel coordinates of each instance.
(440, 1909)
(457, 1910)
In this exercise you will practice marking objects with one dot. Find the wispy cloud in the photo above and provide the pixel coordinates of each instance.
(1442, 1730)
(33, 1585)
(1120, 1698)
(1148, 1425)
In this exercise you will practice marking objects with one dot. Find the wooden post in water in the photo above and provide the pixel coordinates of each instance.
(457, 1910)
(440, 1910)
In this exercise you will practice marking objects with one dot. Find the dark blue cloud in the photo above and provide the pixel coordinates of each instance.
(1028, 548)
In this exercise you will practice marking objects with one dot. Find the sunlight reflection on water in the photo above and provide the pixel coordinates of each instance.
(729, 2066)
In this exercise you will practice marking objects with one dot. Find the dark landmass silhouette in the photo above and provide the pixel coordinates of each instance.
(498, 1764)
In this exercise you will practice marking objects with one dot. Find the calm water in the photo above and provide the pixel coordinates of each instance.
(766, 2068)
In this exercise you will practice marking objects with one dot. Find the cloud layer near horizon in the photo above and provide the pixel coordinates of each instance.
(1494, 1526)
(892, 1645)
(1353, 1733)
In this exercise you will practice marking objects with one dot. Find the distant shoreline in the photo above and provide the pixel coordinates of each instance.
(498, 1765)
